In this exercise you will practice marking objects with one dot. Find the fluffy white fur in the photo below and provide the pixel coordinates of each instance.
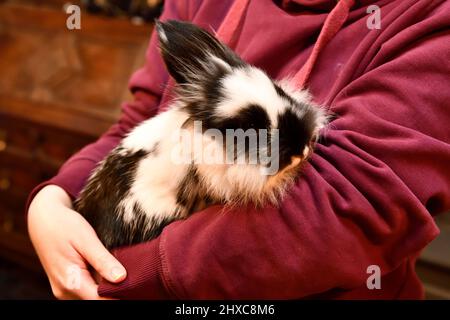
(158, 176)
(169, 179)
(250, 85)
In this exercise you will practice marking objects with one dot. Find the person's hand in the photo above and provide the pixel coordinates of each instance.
(67, 245)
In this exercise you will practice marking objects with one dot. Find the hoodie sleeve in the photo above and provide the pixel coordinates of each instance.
(366, 198)
(147, 86)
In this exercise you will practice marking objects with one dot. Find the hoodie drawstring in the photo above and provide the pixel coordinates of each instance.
(229, 28)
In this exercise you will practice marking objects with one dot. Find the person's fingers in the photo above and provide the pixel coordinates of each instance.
(88, 288)
(91, 249)
(76, 283)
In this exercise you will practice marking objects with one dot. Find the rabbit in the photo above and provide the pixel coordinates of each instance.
(153, 177)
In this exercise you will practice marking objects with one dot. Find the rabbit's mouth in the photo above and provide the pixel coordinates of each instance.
(296, 163)
(276, 184)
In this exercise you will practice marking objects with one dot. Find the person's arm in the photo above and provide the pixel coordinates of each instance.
(366, 198)
(65, 242)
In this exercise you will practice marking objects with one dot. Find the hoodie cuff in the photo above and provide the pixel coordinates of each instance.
(144, 279)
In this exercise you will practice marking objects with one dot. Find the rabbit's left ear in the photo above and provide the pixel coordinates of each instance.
(192, 54)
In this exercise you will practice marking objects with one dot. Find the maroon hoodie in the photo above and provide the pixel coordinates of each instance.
(369, 192)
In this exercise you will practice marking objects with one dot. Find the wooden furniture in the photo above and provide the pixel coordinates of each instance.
(59, 90)
(433, 267)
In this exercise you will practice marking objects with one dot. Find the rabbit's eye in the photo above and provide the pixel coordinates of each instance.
(251, 117)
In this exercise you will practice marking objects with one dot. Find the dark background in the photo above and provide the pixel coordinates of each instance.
(59, 90)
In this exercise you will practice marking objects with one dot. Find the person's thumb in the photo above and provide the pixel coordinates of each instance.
(101, 259)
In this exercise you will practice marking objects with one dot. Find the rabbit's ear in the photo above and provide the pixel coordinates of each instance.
(192, 54)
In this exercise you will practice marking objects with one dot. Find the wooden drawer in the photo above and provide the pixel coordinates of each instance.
(15, 244)
(17, 134)
(19, 175)
(60, 89)
(12, 222)
(59, 145)
(74, 80)
(7, 219)
(29, 155)
(44, 144)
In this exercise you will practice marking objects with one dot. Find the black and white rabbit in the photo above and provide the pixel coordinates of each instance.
(143, 185)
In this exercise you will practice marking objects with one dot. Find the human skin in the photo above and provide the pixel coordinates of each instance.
(67, 245)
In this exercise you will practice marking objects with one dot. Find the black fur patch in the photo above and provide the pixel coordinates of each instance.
(190, 194)
(295, 134)
(204, 109)
(251, 117)
(143, 228)
(184, 46)
(284, 95)
(99, 201)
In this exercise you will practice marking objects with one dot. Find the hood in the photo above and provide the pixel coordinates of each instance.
(228, 31)
(315, 5)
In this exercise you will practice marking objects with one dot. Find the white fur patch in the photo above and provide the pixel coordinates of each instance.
(250, 85)
(152, 189)
(158, 176)
(303, 96)
(151, 131)
(220, 62)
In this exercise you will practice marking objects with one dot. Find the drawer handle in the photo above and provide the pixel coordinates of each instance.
(8, 225)
(5, 184)
(3, 145)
